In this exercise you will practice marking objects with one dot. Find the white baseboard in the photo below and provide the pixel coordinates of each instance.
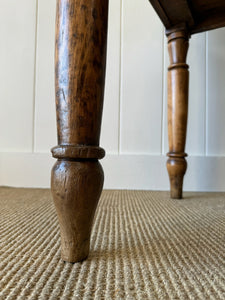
(146, 172)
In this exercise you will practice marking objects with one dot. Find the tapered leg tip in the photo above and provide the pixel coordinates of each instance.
(75, 254)
(176, 194)
(74, 259)
(76, 189)
(176, 168)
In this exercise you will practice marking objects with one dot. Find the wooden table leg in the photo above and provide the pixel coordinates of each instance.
(178, 79)
(77, 176)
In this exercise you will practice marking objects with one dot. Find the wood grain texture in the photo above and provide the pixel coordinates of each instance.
(181, 19)
(178, 80)
(196, 59)
(76, 188)
(80, 69)
(198, 15)
(77, 177)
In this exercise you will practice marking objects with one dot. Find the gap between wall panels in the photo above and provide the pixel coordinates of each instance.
(120, 77)
(35, 70)
(163, 92)
(206, 92)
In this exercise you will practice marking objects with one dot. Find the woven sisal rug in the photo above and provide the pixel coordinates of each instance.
(143, 246)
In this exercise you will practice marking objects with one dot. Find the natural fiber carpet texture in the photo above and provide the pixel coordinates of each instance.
(143, 246)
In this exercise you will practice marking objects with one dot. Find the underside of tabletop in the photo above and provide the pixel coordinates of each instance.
(195, 15)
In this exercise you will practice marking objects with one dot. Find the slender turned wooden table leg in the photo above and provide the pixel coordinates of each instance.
(178, 80)
(77, 176)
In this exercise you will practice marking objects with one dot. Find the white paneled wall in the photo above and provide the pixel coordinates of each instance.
(17, 69)
(134, 127)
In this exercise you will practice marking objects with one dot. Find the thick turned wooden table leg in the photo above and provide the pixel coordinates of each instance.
(77, 176)
(178, 80)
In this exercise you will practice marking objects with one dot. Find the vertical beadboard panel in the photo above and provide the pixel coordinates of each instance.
(110, 123)
(216, 93)
(45, 115)
(142, 61)
(17, 55)
(195, 143)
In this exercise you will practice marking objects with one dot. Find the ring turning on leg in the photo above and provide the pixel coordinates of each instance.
(178, 80)
(77, 176)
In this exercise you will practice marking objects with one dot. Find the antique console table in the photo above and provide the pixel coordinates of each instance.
(80, 57)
